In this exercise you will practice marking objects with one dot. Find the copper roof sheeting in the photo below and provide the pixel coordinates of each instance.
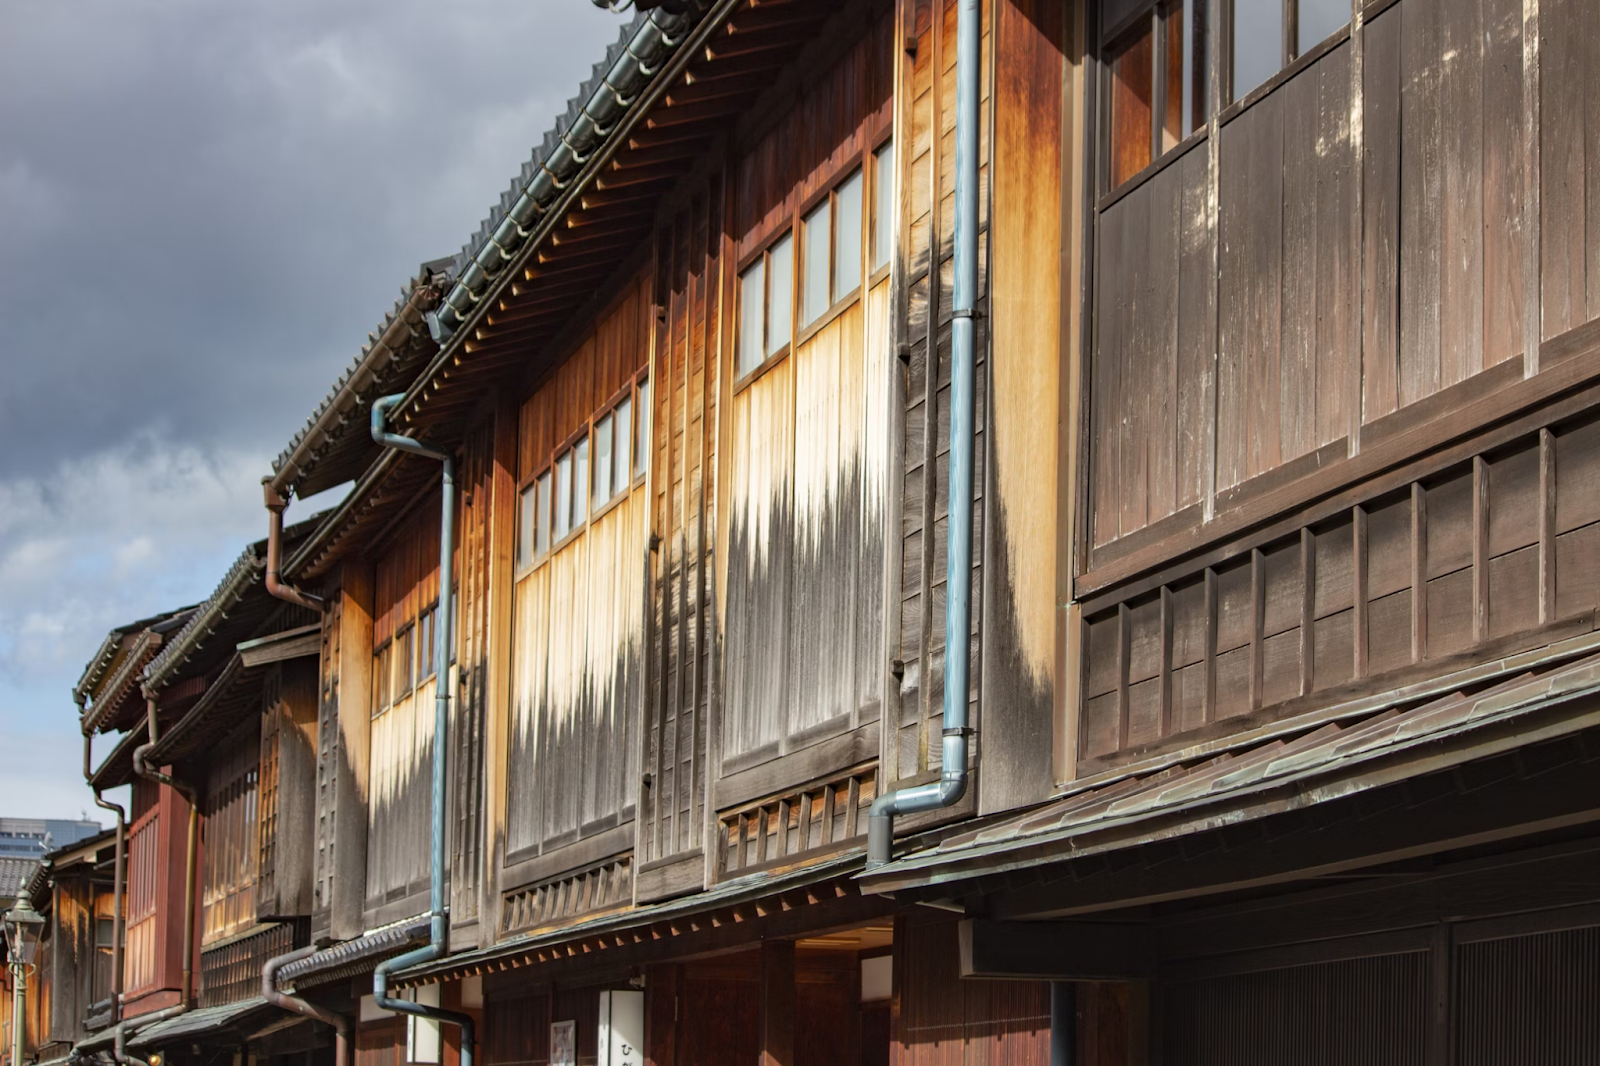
(1322, 761)
(196, 1024)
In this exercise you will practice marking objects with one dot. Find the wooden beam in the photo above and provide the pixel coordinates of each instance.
(777, 1003)
(1056, 951)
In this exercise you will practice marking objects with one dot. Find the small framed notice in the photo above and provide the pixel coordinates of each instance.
(563, 1044)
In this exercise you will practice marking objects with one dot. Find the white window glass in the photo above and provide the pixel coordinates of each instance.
(847, 237)
(422, 1034)
(602, 460)
(619, 455)
(814, 295)
(780, 289)
(563, 494)
(641, 454)
(541, 532)
(883, 205)
(527, 521)
(752, 317)
(580, 478)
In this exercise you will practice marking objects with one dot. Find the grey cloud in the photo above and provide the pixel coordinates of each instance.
(204, 207)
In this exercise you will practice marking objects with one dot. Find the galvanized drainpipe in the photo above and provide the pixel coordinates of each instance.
(269, 992)
(144, 770)
(116, 877)
(438, 914)
(952, 784)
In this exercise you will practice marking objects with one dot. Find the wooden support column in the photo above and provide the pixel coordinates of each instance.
(777, 1003)
(344, 860)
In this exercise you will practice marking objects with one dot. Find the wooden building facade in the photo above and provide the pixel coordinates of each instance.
(1283, 648)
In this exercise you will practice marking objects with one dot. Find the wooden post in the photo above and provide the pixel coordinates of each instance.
(347, 751)
(777, 1003)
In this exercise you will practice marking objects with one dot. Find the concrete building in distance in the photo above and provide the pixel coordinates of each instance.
(30, 838)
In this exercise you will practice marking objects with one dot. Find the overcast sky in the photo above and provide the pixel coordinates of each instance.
(204, 208)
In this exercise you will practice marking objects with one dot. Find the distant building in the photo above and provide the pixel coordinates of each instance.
(30, 838)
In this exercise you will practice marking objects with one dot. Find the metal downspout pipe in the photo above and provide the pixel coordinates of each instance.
(443, 635)
(952, 784)
(116, 877)
(276, 502)
(269, 992)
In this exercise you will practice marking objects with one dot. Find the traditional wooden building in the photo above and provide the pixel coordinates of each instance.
(1257, 337)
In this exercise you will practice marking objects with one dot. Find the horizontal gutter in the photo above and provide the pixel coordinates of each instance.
(1340, 767)
(211, 614)
(335, 519)
(362, 953)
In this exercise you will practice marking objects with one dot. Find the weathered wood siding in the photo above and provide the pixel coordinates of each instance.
(287, 791)
(1023, 549)
(344, 716)
(231, 832)
(400, 800)
(807, 467)
(579, 629)
(1333, 280)
(74, 966)
(927, 208)
(690, 280)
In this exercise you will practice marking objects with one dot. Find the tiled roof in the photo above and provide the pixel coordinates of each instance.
(14, 873)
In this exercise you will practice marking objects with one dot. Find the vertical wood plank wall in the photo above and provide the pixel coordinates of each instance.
(400, 798)
(940, 1018)
(927, 205)
(690, 278)
(230, 827)
(1020, 554)
(1369, 305)
(344, 716)
(578, 643)
(803, 625)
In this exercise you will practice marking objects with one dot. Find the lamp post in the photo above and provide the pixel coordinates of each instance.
(23, 925)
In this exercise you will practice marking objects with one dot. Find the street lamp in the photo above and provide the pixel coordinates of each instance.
(23, 925)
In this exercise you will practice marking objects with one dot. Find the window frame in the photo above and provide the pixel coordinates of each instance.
(546, 465)
(876, 271)
(791, 223)
(1221, 104)
(763, 255)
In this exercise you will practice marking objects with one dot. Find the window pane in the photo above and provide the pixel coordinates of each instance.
(602, 460)
(624, 423)
(752, 291)
(424, 645)
(527, 519)
(1317, 20)
(580, 478)
(563, 494)
(1257, 43)
(541, 536)
(1194, 66)
(780, 305)
(1131, 90)
(814, 298)
(641, 455)
(402, 664)
(1172, 108)
(883, 205)
(847, 237)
